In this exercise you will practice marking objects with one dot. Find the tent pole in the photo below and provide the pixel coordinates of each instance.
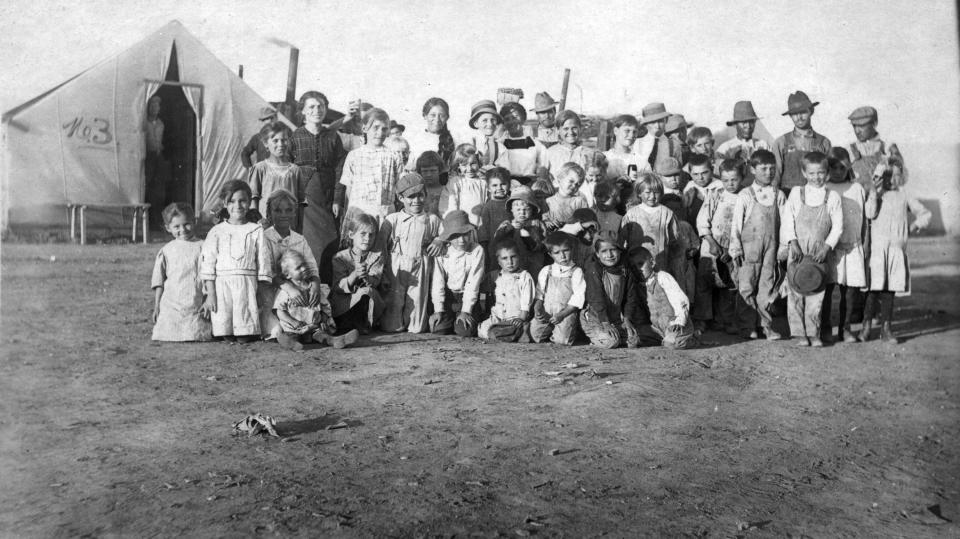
(240, 71)
(291, 98)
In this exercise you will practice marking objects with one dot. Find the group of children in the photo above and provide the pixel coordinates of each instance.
(653, 242)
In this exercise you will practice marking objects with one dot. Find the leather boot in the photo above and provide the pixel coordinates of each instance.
(867, 327)
(886, 334)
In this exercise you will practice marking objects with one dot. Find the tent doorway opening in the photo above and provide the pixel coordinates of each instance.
(174, 179)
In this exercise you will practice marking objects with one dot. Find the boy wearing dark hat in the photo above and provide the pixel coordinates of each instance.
(546, 109)
(744, 144)
(812, 226)
(409, 239)
(255, 151)
(790, 147)
(456, 278)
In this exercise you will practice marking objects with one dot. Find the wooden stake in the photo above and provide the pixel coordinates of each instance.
(563, 92)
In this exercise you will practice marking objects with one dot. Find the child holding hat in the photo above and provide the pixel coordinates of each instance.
(546, 109)
(812, 226)
(790, 147)
(456, 278)
(485, 120)
(613, 306)
(409, 238)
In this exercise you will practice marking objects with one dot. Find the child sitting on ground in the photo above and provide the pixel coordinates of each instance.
(568, 198)
(669, 308)
(812, 226)
(688, 246)
(847, 265)
(561, 292)
(234, 260)
(650, 225)
(468, 191)
(525, 229)
(430, 166)
(510, 294)
(613, 310)
(276, 171)
(457, 273)
(357, 273)
(409, 237)
(178, 308)
(754, 235)
(494, 211)
(281, 212)
(302, 324)
(889, 231)
(607, 195)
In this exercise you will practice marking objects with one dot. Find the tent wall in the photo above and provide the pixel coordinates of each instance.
(84, 143)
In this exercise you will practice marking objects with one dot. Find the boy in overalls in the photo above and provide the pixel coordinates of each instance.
(670, 324)
(790, 148)
(561, 293)
(812, 225)
(753, 245)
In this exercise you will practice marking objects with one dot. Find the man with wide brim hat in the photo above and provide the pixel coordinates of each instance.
(790, 147)
(455, 289)
(742, 146)
(655, 144)
(654, 112)
(546, 110)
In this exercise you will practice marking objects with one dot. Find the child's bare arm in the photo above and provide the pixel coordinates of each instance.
(157, 293)
(210, 298)
(565, 312)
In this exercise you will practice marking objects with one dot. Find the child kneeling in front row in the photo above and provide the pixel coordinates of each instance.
(613, 309)
(357, 275)
(510, 294)
(456, 278)
(561, 292)
(669, 308)
(301, 324)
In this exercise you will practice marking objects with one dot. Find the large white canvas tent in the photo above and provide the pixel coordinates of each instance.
(82, 142)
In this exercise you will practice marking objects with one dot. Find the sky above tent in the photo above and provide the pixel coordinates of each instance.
(697, 57)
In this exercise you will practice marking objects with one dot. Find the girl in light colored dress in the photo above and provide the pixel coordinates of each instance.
(889, 230)
(178, 312)
(233, 261)
(370, 173)
(280, 237)
(276, 172)
(468, 192)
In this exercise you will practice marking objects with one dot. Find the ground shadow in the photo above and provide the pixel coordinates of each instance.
(287, 429)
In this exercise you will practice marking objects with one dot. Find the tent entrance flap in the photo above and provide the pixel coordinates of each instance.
(173, 174)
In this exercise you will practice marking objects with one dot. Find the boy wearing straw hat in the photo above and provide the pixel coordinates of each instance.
(457, 275)
(790, 147)
(743, 145)
(546, 109)
(654, 145)
(485, 120)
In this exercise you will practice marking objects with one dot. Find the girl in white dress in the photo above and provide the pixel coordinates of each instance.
(234, 259)
(178, 312)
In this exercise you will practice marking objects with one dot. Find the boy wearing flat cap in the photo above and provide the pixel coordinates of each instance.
(790, 147)
(869, 150)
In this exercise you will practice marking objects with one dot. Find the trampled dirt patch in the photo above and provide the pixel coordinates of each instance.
(107, 434)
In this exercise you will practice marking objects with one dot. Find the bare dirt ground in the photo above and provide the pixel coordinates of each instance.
(106, 434)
